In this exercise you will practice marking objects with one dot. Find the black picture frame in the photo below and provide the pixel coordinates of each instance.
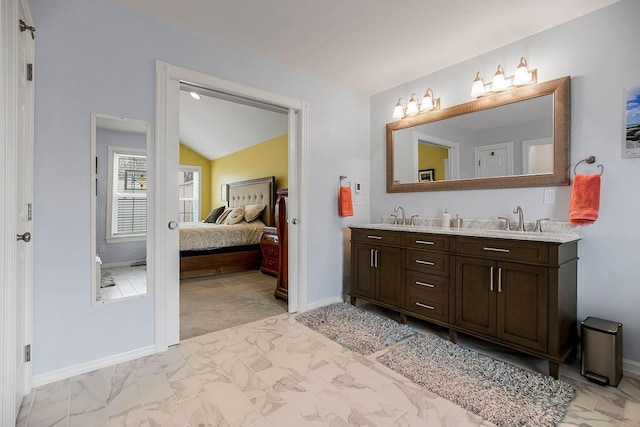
(426, 175)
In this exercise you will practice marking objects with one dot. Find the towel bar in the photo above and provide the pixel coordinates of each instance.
(589, 160)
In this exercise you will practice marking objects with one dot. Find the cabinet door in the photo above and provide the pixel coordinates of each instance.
(476, 295)
(364, 273)
(390, 275)
(522, 304)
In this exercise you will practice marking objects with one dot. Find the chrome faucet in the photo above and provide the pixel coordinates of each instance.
(401, 210)
(411, 221)
(518, 210)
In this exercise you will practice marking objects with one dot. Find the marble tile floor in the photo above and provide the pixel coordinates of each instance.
(130, 282)
(276, 372)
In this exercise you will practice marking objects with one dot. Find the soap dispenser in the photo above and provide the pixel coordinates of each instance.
(446, 219)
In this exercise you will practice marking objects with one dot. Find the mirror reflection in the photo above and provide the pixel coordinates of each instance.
(119, 207)
(513, 139)
(516, 138)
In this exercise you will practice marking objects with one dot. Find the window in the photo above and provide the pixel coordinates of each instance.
(127, 210)
(189, 193)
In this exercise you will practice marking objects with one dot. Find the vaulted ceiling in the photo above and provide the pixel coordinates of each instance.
(368, 45)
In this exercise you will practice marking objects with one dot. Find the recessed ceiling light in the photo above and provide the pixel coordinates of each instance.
(194, 95)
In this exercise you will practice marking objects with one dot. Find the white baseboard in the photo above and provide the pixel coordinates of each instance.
(328, 301)
(83, 368)
(631, 368)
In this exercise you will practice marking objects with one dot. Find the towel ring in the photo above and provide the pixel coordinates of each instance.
(342, 178)
(588, 160)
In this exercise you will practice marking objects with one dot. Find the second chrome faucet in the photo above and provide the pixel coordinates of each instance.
(401, 209)
(518, 210)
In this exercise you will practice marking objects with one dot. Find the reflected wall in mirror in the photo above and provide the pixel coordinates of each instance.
(518, 138)
(119, 207)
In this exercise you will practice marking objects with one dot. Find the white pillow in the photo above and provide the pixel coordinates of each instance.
(252, 212)
(223, 216)
(235, 216)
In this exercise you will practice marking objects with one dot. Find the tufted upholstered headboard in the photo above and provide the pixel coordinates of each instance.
(252, 192)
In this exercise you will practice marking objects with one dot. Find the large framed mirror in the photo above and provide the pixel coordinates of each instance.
(517, 138)
(119, 208)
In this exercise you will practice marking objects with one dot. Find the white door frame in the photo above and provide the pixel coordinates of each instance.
(453, 147)
(168, 78)
(9, 75)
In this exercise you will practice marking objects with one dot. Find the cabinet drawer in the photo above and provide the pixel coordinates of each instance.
(508, 250)
(427, 286)
(377, 237)
(428, 262)
(432, 309)
(432, 242)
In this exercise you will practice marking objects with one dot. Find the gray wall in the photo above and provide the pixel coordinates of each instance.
(597, 51)
(121, 251)
(93, 56)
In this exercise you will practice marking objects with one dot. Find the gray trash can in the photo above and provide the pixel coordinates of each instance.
(601, 350)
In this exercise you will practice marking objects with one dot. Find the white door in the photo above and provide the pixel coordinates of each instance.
(24, 224)
(494, 160)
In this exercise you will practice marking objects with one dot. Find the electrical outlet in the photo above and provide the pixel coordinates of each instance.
(358, 200)
(549, 197)
(101, 249)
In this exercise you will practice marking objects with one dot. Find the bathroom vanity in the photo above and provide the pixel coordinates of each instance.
(516, 289)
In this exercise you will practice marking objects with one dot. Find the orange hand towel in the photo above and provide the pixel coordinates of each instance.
(345, 204)
(585, 199)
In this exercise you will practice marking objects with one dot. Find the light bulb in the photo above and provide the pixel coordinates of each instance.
(412, 106)
(499, 83)
(194, 95)
(427, 101)
(522, 75)
(478, 86)
(398, 110)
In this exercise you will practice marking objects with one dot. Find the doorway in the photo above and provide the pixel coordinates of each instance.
(166, 245)
(226, 141)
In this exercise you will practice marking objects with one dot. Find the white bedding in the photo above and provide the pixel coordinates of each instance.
(197, 236)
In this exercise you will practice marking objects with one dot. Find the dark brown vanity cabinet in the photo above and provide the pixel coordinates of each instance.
(520, 294)
(378, 268)
(427, 276)
(503, 300)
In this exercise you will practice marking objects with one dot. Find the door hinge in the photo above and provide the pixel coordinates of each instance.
(30, 72)
(24, 27)
(28, 211)
(27, 353)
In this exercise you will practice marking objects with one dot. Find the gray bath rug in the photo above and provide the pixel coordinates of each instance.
(355, 329)
(106, 280)
(496, 391)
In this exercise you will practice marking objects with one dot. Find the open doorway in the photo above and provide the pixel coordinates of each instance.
(233, 162)
(165, 253)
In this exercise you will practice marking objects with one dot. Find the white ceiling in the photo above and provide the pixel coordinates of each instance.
(369, 45)
(214, 127)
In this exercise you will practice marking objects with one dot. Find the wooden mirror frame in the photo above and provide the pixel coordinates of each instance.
(559, 88)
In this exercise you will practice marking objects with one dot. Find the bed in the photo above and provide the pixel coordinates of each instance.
(208, 249)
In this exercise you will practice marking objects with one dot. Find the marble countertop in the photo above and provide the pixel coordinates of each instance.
(558, 232)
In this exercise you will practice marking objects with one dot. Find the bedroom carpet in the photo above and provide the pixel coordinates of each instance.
(214, 303)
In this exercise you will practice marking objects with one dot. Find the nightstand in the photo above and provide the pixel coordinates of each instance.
(270, 251)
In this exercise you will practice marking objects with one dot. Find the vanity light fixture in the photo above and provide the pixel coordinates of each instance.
(429, 103)
(398, 110)
(194, 95)
(522, 75)
(500, 82)
(478, 86)
(412, 106)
